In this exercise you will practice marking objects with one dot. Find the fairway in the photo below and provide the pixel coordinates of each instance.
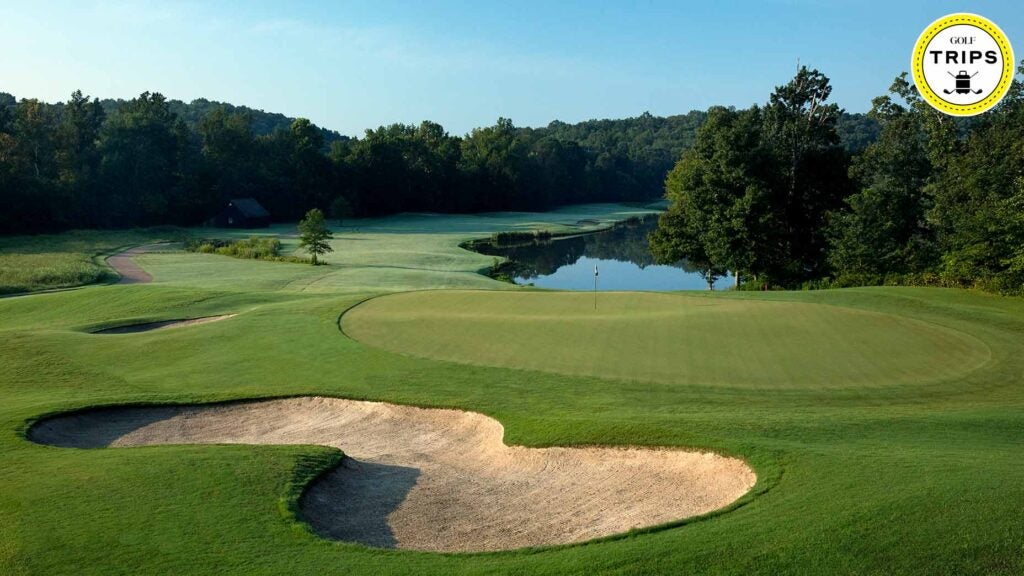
(671, 338)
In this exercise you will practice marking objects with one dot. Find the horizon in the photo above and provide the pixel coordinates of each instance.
(351, 68)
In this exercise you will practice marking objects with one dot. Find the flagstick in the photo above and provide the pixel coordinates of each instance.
(595, 287)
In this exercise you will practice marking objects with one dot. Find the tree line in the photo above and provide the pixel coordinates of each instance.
(90, 163)
(770, 194)
(87, 163)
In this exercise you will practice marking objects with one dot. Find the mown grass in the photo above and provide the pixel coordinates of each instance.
(890, 477)
(721, 342)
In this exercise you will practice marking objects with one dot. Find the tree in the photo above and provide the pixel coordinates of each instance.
(10, 216)
(753, 193)
(937, 194)
(35, 123)
(341, 209)
(811, 174)
(78, 135)
(560, 169)
(36, 195)
(492, 161)
(314, 236)
(312, 176)
(228, 149)
(679, 237)
(141, 147)
(78, 157)
(883, 228)
(977, 194)
(415, 167)
(718, 218)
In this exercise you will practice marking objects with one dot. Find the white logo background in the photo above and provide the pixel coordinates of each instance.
(940, 77)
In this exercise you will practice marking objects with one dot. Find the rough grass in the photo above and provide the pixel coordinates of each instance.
(868, 479)
(30, 272)
(44, 262)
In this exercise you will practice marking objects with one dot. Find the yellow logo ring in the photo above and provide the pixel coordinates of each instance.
(1005, 80)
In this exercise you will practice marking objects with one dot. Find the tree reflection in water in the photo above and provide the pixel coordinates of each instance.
(622, 253)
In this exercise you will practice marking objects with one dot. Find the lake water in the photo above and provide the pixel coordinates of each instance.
(622, 255)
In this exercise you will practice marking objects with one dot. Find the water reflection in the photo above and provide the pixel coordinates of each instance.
(621, 254)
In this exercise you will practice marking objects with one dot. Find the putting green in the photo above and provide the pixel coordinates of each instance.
(693, 339)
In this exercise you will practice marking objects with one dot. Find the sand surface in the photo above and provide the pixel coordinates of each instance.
(439, 480)
(163, 324)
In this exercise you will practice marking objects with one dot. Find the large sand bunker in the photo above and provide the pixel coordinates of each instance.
(439, 480)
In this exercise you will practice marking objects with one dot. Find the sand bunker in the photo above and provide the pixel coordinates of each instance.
(133, 328)
(439, 480)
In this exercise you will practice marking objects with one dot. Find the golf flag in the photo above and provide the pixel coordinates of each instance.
(595, 270)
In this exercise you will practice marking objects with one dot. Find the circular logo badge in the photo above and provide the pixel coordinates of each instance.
(963, 64)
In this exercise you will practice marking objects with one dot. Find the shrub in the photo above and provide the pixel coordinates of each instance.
(253, 248)
(1000, 283)
(518, 237)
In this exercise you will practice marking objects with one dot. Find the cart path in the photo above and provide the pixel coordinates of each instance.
(124, 264)
(434, 479)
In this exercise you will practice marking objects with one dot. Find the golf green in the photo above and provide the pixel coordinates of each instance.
(671, 338)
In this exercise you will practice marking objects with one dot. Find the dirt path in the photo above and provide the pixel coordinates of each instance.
(439, 480)
(124, 264)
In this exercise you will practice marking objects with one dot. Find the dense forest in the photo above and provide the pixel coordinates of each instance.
(770, 193)
(90, 163)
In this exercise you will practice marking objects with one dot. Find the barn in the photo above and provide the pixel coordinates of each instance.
(242, 213)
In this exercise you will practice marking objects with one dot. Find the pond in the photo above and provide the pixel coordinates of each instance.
(621, 254)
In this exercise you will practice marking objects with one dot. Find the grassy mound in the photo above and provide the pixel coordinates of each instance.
(718, 341)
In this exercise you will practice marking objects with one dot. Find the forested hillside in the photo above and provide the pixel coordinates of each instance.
(89, 163)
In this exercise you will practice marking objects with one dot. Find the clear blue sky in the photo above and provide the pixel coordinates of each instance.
(350, 66)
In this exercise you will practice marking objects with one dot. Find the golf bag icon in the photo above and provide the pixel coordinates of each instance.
(963, 83)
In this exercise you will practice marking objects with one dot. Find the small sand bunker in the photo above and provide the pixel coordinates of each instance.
(133, 328)
(438, 480)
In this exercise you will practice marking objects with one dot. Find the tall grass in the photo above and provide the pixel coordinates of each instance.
(29, 272)
(49, 261)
